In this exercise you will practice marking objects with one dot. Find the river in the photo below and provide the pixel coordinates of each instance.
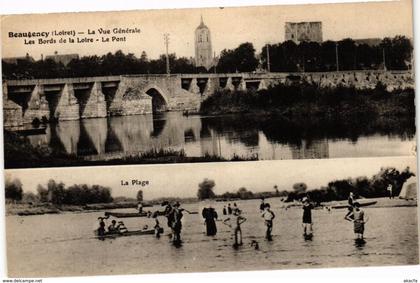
(256, 137)
(63, 245)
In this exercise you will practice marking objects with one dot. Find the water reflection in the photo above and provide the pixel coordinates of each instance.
(266, 137)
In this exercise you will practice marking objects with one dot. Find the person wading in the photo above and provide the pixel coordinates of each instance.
(307, 218)
(176, 224)
(268, 216)
(210, 216)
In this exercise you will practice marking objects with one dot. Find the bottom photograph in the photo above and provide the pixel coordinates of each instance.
(237, 216)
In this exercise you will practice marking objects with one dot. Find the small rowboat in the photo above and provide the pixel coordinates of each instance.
(127, 214)
(128, 233)
(366, 203)
(133, 214)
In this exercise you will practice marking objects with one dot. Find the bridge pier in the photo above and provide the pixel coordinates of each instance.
(210, 87)
(194, 87)
(37, 107)
(229, 84)
(95, 105)
(263, 85)
(12, 112)
(67, 107)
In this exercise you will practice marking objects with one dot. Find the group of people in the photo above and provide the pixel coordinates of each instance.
(356, 215)
(234, 219)
(173, 213)
(113, 228)
(229, 210)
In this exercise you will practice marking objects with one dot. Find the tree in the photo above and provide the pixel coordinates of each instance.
(42, 193)
(29, 197)
(13, 189)
(205, 189)
(347, 54)
(300, 187)
(140, 196)
(56, 192)
(243, 193)
(241, 59)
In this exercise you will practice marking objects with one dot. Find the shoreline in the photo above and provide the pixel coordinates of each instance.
(47, 208)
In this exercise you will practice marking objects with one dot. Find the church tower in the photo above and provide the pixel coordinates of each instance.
(203, 53)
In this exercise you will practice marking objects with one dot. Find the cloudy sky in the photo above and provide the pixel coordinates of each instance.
(229, 27)
(183, 179)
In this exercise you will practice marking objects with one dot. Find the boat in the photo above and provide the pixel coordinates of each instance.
(127, 214)
(366, 203)
(128, 233)
(133, 214)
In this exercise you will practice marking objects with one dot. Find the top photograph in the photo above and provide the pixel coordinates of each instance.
(208, 85)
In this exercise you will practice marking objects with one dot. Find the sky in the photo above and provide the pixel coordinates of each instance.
(181, 180)
(229, 27)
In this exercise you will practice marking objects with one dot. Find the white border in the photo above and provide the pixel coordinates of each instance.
(378, 274)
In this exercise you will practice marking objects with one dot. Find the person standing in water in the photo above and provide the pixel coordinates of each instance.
(229, 209)
(307, 217)
(235, 223)
(210, 215)
(140, 207)
(177, 224)
(262, 205)
(168, 212)
(389, 189)
(101, 230)
(224, 210)
(158, 229)
(268, 216)
(359, 219)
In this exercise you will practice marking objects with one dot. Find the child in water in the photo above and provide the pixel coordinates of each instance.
(268, 216)
(359, 219)
(235, 223)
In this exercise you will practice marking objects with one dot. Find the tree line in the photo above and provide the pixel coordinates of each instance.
(392, 53)
(373, 187)
(57, 193)
(365, 187)
(308, 99)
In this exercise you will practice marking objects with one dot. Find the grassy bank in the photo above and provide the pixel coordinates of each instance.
(308, 100)
(19, 153)
(46, 208)
(25, 209)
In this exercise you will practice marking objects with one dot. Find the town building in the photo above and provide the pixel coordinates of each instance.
(15, 60)
(303, 31)
(62, 58)
(203, 48)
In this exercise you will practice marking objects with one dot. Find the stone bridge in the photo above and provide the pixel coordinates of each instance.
(93, 97)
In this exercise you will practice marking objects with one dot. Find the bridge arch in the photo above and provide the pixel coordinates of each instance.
(159, 98)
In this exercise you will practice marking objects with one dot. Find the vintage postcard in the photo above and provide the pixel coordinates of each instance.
(292, 128)
(208, 85)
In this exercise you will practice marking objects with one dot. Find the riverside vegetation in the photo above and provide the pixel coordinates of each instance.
(310, 100)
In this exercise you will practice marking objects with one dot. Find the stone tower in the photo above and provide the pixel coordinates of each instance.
(203, 53)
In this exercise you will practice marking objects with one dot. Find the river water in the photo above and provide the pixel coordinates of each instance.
(63, 245)
(262, 137)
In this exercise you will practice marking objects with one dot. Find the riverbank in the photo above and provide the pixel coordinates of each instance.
(309, 100)
(22, 209)
(25, 209)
